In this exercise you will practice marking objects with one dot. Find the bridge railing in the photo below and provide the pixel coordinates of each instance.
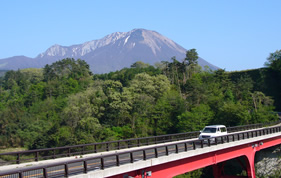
(84, 165)
(78, 150)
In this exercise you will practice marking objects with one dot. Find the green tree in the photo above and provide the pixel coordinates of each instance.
(274, 62)
(232, 114)
(273, 76)
(118, 102)
(173, 72)
(243, 87)
(67, 68)
(66, 76)
(154, 86)
(191, 61)
(195, 119)
(262, 108)
(139, 64)
(195, 90)
(146, 91)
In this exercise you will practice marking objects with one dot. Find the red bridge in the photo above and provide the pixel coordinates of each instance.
(158, 160)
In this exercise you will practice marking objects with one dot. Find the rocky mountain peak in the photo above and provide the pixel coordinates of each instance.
(110, 53)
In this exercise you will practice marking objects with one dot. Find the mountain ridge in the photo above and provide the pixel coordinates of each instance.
(110, 53)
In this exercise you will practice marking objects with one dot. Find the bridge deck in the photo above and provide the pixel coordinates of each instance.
(251, 142)
(141, 163)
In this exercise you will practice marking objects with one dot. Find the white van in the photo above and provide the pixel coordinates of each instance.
(213, 131)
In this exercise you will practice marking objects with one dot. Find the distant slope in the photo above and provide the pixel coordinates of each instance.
(264, 80)
(111, 53)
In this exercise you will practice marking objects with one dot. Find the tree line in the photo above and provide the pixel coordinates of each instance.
(65, 103)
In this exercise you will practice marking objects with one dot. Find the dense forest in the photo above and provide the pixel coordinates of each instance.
(65, 103)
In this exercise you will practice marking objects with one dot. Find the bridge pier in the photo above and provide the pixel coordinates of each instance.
(249, 159)
(250, 164)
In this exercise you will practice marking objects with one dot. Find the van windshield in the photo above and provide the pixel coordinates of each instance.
(209, 130)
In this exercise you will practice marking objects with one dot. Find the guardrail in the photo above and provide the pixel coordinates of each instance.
(67, 151)
(84, 165)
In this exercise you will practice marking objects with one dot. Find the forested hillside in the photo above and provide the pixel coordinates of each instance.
(65, 104)
(266, 81)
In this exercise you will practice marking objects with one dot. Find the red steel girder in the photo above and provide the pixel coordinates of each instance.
(171, 169)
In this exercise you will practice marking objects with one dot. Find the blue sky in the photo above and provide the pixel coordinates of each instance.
(231, 34)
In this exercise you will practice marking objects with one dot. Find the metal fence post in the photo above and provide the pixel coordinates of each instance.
(66, 170)
(144, 155)
(156, 152)
(167, 150)
(36, 155)
(18, 158)
(117, 160)
(101, 164)
(20, 175)
(45, 173)
(85, 167)
(118, 145)
(54, 153)
(131, 157)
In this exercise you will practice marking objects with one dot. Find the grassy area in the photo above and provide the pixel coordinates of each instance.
(6, 150)
(10, 157)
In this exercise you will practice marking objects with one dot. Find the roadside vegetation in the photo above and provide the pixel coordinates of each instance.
(65, 104)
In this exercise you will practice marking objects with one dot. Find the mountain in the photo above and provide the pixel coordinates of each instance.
(111, 53)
